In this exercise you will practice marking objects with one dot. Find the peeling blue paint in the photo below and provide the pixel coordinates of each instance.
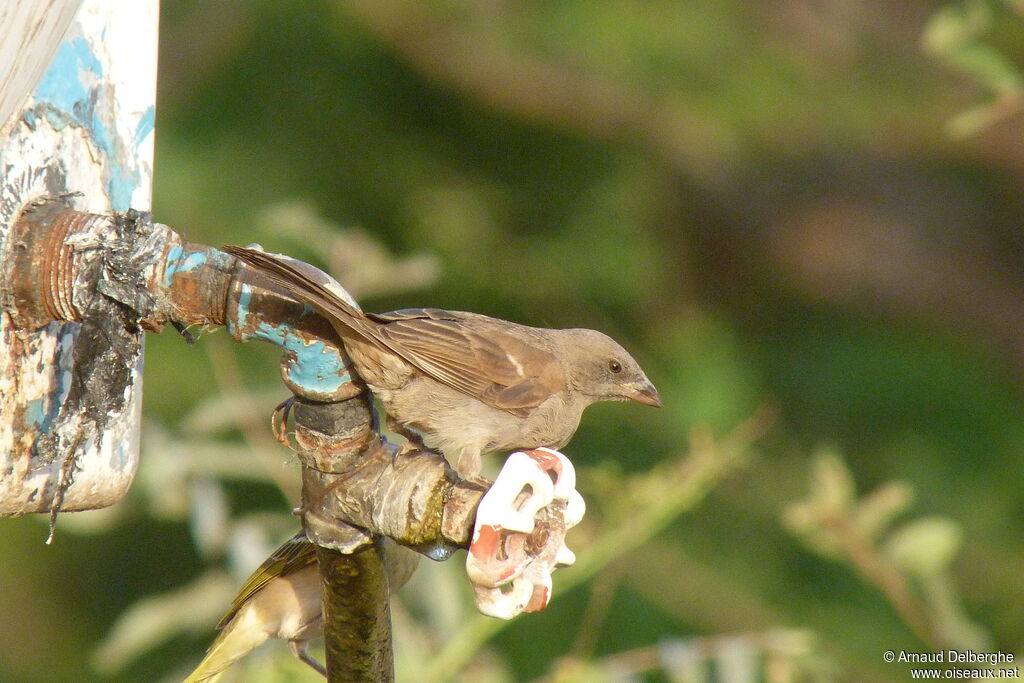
(176, 264)
(145, 125)
(65, 365)
(238, 323)
(192, 261)
(35, 413)
(62, 85)
(171, 264)
(41, 412)
(317, 367)
(68, 94)
(120, 187)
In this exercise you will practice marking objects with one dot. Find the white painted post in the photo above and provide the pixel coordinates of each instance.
(77, 93)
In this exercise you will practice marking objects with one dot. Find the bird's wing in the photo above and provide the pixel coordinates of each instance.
(476, 355)
(294, 554)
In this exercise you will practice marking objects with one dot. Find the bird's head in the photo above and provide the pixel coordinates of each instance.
(601, 370)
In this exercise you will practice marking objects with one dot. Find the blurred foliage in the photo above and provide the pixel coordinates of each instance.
(966, 35)
(762, 200)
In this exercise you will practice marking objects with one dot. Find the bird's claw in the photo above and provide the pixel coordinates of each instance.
(519, 536)
(298, 649)
(279, 420)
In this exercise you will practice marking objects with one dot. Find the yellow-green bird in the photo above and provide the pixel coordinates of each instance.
(283, 599)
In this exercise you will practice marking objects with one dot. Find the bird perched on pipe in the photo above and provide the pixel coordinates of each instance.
(283, 599)
(469, 383)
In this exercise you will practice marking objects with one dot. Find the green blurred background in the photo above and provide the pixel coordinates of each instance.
(812, 205)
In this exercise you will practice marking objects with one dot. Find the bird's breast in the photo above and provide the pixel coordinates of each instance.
(553, 422)
(453, 422)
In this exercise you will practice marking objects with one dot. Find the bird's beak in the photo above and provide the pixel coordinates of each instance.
(644, 393)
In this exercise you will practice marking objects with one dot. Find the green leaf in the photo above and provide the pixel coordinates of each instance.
(926, 546)
(955, 25)
(988, 66)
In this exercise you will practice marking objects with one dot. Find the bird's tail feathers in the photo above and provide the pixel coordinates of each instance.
(305, 289)
(234, 641)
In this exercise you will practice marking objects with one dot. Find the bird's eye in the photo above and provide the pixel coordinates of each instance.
(615, 366)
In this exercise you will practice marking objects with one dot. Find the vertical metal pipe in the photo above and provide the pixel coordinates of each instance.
(357, 615)
(334, 440)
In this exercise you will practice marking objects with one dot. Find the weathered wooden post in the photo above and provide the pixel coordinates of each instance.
(77, 91)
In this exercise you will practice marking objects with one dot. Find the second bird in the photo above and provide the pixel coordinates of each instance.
(471, 384)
